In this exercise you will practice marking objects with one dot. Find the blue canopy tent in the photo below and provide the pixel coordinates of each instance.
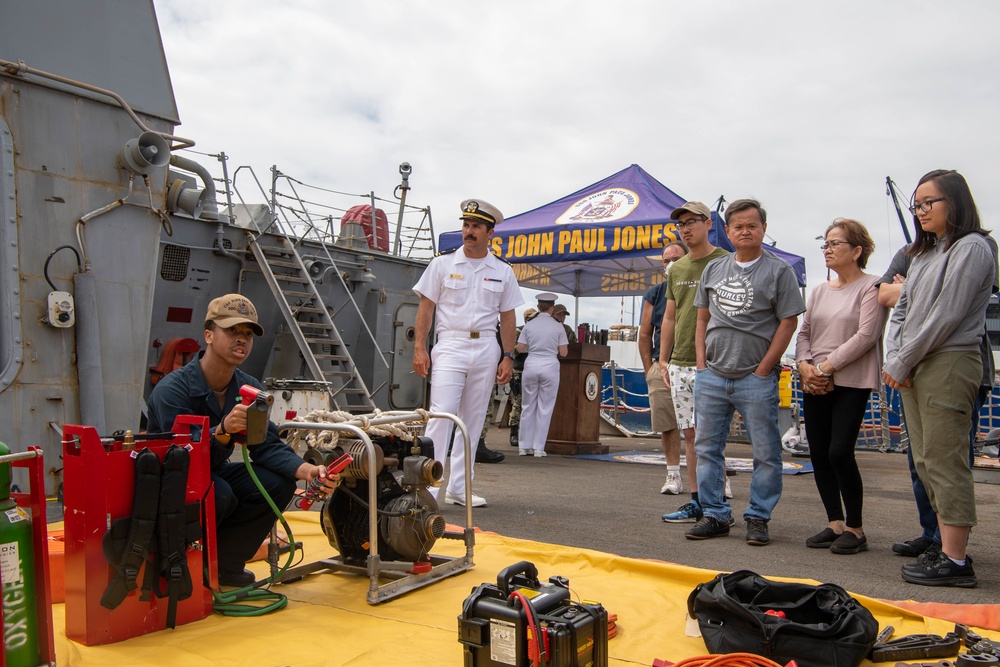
(603, 240)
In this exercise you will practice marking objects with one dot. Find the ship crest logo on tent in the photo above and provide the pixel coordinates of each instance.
(604, 206)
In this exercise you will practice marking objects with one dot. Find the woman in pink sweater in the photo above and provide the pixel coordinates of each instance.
(839, 356)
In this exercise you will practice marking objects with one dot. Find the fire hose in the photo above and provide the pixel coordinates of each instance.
(722, 660)
(257, 599)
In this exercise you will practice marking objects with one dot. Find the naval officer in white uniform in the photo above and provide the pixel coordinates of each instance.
(544, 339)
(468, 289)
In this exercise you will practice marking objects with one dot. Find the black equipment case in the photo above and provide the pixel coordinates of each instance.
(494, 624)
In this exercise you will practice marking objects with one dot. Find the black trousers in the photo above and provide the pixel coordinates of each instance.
(833, 422)
(243, 517)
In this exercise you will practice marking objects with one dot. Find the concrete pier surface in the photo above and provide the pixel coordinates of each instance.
(616, 507)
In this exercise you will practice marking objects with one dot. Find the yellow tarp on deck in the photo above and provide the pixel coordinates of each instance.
(327, 621)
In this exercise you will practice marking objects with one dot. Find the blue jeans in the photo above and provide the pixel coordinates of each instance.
(715, 400)
(928, 518)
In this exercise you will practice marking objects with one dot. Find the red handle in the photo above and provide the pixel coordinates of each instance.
(312, 493)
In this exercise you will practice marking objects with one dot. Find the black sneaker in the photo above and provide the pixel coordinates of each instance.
(933, 551)
(931, 555)
(941, 571)
(757, 532)
(912, 548)
(708, 526)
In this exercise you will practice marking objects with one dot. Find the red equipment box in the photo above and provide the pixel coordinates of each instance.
(98, 487)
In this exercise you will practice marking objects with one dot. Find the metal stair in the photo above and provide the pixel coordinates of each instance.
(322, 348)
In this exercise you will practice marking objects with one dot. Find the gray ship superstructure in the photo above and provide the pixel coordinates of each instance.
(113, 240)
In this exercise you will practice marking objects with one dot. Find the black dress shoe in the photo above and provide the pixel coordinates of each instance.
(486, 455)
(237, 579)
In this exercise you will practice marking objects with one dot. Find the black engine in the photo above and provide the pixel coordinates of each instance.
(408, 518)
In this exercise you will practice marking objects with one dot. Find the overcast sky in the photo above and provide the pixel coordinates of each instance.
(805, 106)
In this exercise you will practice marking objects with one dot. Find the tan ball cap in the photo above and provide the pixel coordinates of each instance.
(695, 207)
(232, 309)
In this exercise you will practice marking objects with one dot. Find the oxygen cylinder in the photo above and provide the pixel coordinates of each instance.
(17, 574)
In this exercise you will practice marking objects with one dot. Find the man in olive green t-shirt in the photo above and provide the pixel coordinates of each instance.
(677, 330)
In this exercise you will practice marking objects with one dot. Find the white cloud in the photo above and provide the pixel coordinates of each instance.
(806, 106)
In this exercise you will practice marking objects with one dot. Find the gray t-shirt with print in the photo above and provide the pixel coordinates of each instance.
(746, 306)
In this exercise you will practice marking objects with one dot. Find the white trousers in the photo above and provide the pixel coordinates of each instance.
(539, 387)
(463, 372)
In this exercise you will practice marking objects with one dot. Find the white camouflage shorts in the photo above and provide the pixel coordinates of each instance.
(682, 391)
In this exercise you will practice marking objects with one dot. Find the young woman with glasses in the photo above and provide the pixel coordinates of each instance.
(933, 359)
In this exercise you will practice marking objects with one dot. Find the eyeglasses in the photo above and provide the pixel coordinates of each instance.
(834, 244)
(681, 224)
(924, 206)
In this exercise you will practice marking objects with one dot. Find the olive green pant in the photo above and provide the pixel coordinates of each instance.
(938, 408)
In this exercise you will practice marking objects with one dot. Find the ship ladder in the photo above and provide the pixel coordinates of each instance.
(310, 323)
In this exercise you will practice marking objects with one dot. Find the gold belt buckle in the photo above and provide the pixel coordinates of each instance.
(473, 334)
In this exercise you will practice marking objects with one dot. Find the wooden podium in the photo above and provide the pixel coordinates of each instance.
(576, 419)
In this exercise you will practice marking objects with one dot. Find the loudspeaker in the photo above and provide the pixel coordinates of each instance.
(182, 197)
(316, 268)
(145, 153)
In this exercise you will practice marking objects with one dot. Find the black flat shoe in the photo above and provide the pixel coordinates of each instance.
(849, 543)
(822, 539)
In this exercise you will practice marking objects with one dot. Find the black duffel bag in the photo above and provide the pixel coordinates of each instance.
(823, 626)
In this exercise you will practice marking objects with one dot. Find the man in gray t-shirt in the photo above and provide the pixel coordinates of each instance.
(748, 307)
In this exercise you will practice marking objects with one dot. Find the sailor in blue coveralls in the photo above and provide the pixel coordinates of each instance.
(468, 290)
(209, 386)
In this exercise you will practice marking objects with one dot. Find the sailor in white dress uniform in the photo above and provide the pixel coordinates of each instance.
(545, 340)
(468, 290)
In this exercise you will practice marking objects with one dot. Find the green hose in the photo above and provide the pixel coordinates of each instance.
(251, 600)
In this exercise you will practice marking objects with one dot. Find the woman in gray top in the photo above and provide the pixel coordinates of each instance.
(933, 359)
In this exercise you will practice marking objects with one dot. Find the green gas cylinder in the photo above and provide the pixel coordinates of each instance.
(17, 575)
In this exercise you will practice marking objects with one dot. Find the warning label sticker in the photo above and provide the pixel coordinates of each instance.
(10, 563)
(503, 642)
(15, 515)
